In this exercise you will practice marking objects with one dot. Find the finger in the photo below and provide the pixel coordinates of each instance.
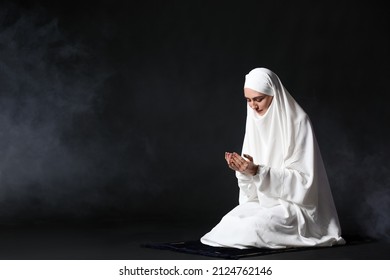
(244, 167)
(236, 160)
(235, 155)
(233, 167)
(240, 168)
(240, 163)
(239, 159)
(228, 157)
(248, 157)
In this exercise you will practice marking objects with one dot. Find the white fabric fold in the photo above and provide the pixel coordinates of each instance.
(288, 203)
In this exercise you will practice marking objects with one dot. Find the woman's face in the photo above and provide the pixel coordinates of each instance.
(257, 101)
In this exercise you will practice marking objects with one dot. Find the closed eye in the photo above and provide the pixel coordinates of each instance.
(256, 99)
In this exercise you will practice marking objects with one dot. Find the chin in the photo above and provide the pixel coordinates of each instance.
(261, 113)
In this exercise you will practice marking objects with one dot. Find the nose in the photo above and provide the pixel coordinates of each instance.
(253, 105)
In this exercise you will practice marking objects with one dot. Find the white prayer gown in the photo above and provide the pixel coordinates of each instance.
(288, 203)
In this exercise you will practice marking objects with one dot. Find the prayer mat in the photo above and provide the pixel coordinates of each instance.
(198, 248)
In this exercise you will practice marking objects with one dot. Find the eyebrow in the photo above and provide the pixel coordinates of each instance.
(256, 97)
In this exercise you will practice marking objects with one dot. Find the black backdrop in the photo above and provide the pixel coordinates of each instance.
(122, 110)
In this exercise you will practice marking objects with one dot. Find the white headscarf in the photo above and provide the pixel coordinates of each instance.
(259, 80)
(271, 138)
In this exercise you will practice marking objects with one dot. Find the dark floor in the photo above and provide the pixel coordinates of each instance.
(123, 242)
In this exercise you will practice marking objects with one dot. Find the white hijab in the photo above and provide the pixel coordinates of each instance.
(271, 137)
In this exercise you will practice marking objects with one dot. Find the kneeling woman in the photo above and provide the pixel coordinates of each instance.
(285, 198)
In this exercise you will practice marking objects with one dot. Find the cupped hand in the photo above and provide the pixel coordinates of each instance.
(241, 164)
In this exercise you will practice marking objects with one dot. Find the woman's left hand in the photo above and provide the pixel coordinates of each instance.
(243, 165)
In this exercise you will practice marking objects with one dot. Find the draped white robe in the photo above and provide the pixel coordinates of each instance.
(288, 203)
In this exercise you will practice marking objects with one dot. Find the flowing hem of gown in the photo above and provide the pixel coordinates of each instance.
(251, 226)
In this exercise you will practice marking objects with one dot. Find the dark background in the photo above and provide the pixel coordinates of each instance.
(122, 110)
